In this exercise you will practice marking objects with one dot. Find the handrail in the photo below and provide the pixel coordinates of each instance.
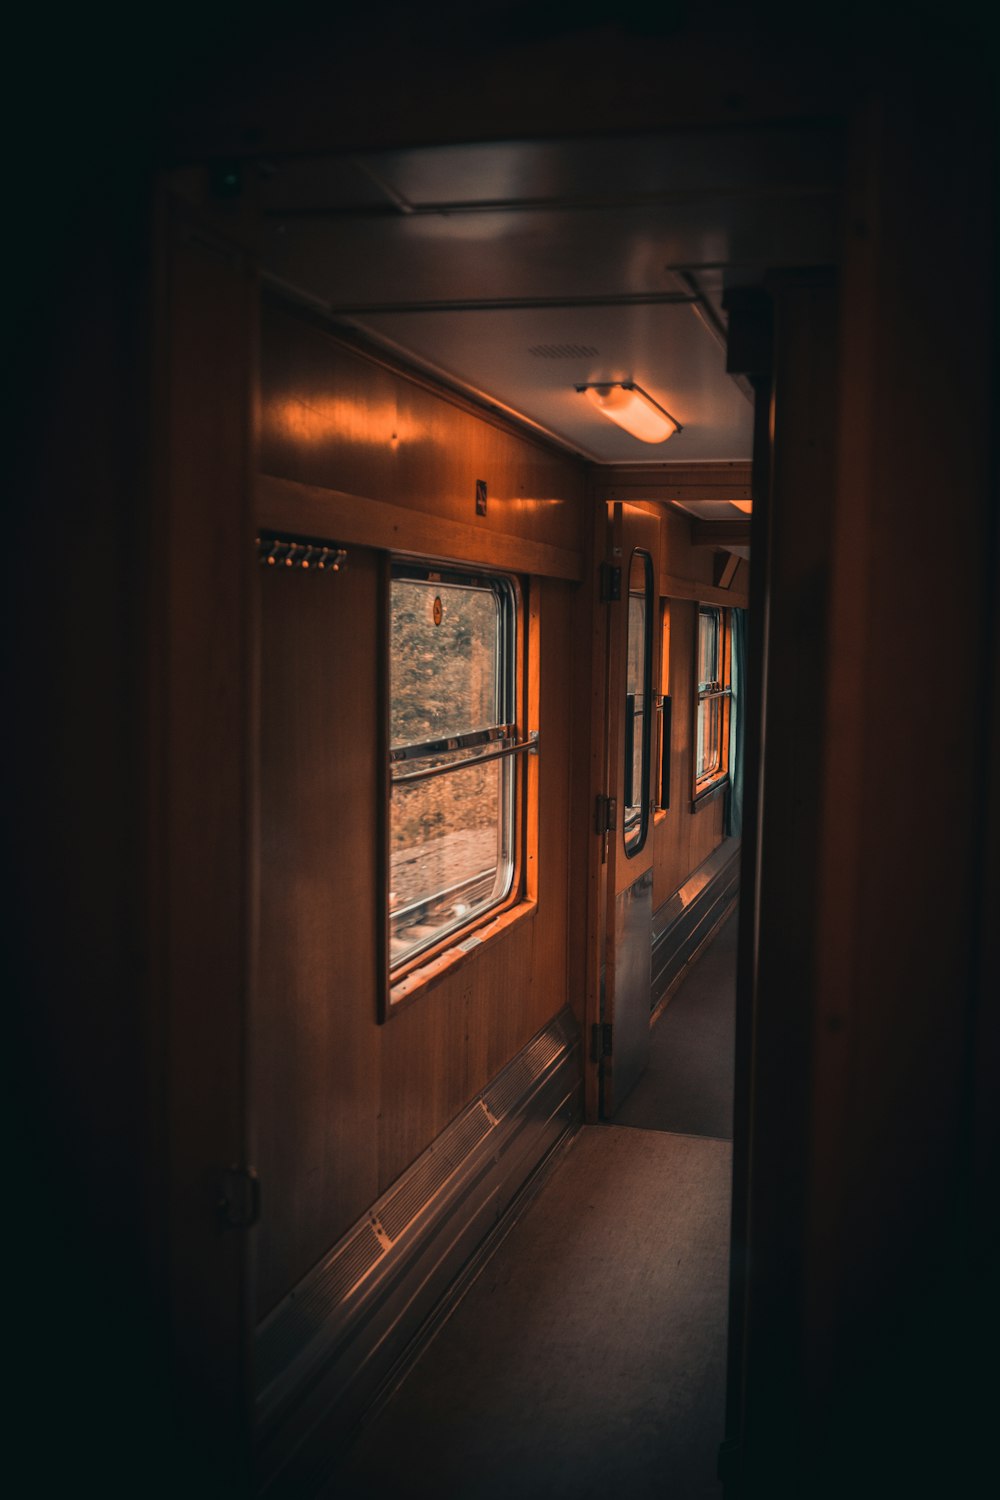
(530, 744)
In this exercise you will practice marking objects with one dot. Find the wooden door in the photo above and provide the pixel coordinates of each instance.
(631, 574)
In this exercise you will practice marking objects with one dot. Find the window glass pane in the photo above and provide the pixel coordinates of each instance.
(638, 684)
(633, 810)
(446, 660)
(708, 647)
(709, 736)
(451, 674)
(451, 852)
(709, 758)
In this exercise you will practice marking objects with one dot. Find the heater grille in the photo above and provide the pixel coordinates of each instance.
(325, 1351)
(302, 1315)
(429, 1174)
(519, 1075)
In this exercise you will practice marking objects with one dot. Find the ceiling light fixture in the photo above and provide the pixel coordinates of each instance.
(628, 404)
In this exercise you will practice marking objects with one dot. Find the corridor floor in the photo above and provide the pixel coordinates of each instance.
(588, 1358)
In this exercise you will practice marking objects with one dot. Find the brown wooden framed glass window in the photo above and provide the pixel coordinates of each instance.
(453, 761)
(712, 703)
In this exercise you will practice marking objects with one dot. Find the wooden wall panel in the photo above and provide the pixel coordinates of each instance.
(84, 975)
(665, 482)
(345, 1104)
(311, 510)
(775, 1006)
(502, 1006)
(316, 1052)
(706, 828)
(331, 415)
(679, 558)
(424, 1070)
(894, 1285)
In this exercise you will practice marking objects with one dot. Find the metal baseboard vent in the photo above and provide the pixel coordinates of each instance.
(686, 919)
(326, 1349)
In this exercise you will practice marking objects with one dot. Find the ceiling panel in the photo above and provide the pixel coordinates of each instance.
(539, 254)
(520, 269)
(714, 510)
(521, 359)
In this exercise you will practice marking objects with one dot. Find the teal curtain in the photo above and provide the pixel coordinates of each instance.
(734, 796)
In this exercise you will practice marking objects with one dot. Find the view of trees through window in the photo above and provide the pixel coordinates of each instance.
(451, 832)
(444, 675)
(711, 694)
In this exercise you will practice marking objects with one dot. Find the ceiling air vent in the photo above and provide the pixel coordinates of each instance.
(563, 351)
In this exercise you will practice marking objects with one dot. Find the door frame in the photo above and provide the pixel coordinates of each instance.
(630, 529)
(202, 735)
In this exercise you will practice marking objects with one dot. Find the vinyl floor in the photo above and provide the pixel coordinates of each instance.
(688, 1086)
(588, 1358)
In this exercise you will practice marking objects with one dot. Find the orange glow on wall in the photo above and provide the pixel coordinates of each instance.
(318, 421)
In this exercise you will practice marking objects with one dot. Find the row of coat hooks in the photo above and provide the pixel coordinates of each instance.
(275, 551)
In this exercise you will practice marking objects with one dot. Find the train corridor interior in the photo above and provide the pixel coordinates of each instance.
(532, 285)
(505, 920)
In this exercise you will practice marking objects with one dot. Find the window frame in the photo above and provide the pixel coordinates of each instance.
(635, 830)
(663, 707)
(719, 690)
(507, 742)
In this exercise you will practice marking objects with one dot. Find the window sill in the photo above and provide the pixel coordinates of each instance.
(440, 965)
(709, 790)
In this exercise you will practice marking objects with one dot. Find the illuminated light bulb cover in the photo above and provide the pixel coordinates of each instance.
(628, 405)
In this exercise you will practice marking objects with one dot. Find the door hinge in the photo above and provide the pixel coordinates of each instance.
(239, 1196)
(611, 582)
(605, 814)
(601, 1040)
